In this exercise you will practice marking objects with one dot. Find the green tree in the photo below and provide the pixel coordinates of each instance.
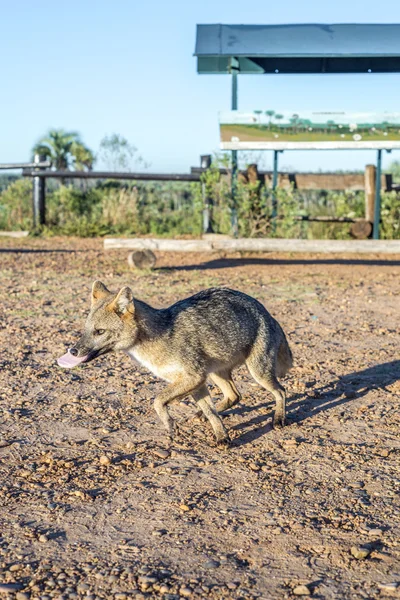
(331, 125)
(117, 154)
(65, 149)
(294, 121)
(258, 113)
(270, 114)
(394, 168)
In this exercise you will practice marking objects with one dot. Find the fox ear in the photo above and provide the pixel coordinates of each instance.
(123, 303)
(99, 291)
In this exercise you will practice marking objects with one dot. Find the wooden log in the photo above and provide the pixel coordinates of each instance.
(14, 234)
(164, 245)
(142, 259)
(361, 230)
(313, 246)
(370, 183)
(326, 219)
(258, 245)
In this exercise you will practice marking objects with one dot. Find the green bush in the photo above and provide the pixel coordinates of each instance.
(390, 211)
(115, 208)
(16, 206)
(175, 209)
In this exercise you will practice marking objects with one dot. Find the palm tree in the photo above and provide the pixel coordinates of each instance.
(83, 157)
(278, 117)
(270, 114)
(65, 150)
(259, 113)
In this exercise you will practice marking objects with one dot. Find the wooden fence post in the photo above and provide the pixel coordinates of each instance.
(370, 184)
(39, 196)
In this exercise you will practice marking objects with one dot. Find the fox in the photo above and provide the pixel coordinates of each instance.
(203, 337)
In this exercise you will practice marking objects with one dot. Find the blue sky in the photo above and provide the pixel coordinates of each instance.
(127, 66)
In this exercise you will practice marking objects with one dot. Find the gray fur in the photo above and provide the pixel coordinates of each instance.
(204, 336)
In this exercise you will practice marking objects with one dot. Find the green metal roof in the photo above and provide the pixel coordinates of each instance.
(306, 48)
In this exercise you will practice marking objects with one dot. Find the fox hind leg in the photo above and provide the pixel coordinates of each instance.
(231, 394)
(262, 369)
(223, 380)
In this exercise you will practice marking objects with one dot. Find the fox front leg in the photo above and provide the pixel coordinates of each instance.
(203, 399)
(175, 391)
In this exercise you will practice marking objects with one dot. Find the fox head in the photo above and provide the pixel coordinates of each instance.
(109, 326)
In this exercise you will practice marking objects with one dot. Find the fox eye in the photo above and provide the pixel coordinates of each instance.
(99, 331)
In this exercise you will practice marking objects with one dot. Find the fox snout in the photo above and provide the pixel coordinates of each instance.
(82, 347)
(76, 355)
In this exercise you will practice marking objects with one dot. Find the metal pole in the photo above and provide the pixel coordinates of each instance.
(274, 186)
(377, 209)
(234, 217)
(39, 196)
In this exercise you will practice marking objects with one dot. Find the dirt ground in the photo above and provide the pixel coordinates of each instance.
(94, 501)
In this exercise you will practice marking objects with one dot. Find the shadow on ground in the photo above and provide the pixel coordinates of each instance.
(226, 263)
(340, 391)
(36, 250)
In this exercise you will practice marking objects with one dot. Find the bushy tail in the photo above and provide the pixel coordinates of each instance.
(285, 358)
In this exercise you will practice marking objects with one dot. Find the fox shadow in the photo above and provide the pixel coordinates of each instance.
(226, 263)
(339, 392)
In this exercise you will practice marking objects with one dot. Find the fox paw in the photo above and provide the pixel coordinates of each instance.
(278, 421)
(224, 441)
(200, 416)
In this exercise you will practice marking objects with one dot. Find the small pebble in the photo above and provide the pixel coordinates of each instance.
(301, 590)
(360, 552)
(10, 587)
(164, 589)
(212, 564)
(388, 587)
(161, 453)
(146, 580)
(105, 460)
(254, 467)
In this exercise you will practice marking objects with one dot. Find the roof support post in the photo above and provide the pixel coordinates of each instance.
(207, 201)
(234, 68)
(377, 209)
(274, 186)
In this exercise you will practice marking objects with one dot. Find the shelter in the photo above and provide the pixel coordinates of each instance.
(299, 49)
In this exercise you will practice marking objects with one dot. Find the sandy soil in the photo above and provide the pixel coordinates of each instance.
(96, 504)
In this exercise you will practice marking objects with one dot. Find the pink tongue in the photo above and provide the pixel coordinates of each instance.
(68, 361)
